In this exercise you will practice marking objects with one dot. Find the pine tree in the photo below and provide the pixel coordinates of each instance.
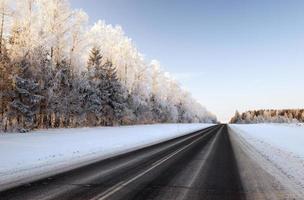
(95, 60)
(43, 43)
(109, 97)
(97, 90)
(156, 109)
(117, 98)
(181, 112)
(27, 97)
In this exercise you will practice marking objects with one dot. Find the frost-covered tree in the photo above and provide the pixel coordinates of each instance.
(118, 94)
(269, 116)
(6, 90)
(111, 94)
(98, 94)
(26, 97)
(57, 71)
(55, 31)
(60, 94)
(5, 13)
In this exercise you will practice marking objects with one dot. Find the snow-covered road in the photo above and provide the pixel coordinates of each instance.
(26, 157)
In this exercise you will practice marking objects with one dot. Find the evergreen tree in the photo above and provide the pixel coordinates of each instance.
(117, 97)
(27, 97)
(95, 59)
(43, 44)
(106, 94)
(156, 109)
(97, 90)
(181, 113)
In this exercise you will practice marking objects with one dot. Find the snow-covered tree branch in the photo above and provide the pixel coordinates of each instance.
(269, 116)
(57, 71)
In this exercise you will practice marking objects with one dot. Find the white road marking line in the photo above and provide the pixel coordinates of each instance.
(122, 184)
(206, 155)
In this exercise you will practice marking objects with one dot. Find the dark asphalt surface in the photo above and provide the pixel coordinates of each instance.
(200, 165)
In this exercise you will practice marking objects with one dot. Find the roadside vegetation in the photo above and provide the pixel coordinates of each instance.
(269, 116)
(58, 71)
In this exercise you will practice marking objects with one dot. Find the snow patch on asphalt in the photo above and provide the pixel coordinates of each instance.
(282, 149)
(38, 154)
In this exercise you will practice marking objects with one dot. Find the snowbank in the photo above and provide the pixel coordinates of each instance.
(44, 153)
(281, 147)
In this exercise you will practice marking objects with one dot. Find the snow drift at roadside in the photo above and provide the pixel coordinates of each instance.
(278, 149)
(27, 157)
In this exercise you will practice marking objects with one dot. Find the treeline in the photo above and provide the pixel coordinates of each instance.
(269, 116)
(56, 71)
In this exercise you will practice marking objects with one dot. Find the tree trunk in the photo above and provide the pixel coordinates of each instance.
(1, 31)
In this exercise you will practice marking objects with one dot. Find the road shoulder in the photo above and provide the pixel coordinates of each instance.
(260, 177)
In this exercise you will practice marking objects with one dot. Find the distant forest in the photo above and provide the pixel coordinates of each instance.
(57, 71)
(269, 116)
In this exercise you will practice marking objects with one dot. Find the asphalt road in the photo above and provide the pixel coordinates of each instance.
(201, 165)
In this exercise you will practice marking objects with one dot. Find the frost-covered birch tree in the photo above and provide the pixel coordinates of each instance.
(58, 71)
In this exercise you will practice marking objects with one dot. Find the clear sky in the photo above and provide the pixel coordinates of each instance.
(230, 55)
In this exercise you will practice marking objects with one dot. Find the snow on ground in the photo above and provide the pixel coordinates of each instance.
(282, 148)
(38, 154)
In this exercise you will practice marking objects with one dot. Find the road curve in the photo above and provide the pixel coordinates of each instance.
(200, 165)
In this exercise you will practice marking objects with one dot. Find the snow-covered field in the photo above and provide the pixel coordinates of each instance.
(280, 148)
(38, 154)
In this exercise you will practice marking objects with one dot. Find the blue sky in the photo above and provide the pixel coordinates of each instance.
(230, 55)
